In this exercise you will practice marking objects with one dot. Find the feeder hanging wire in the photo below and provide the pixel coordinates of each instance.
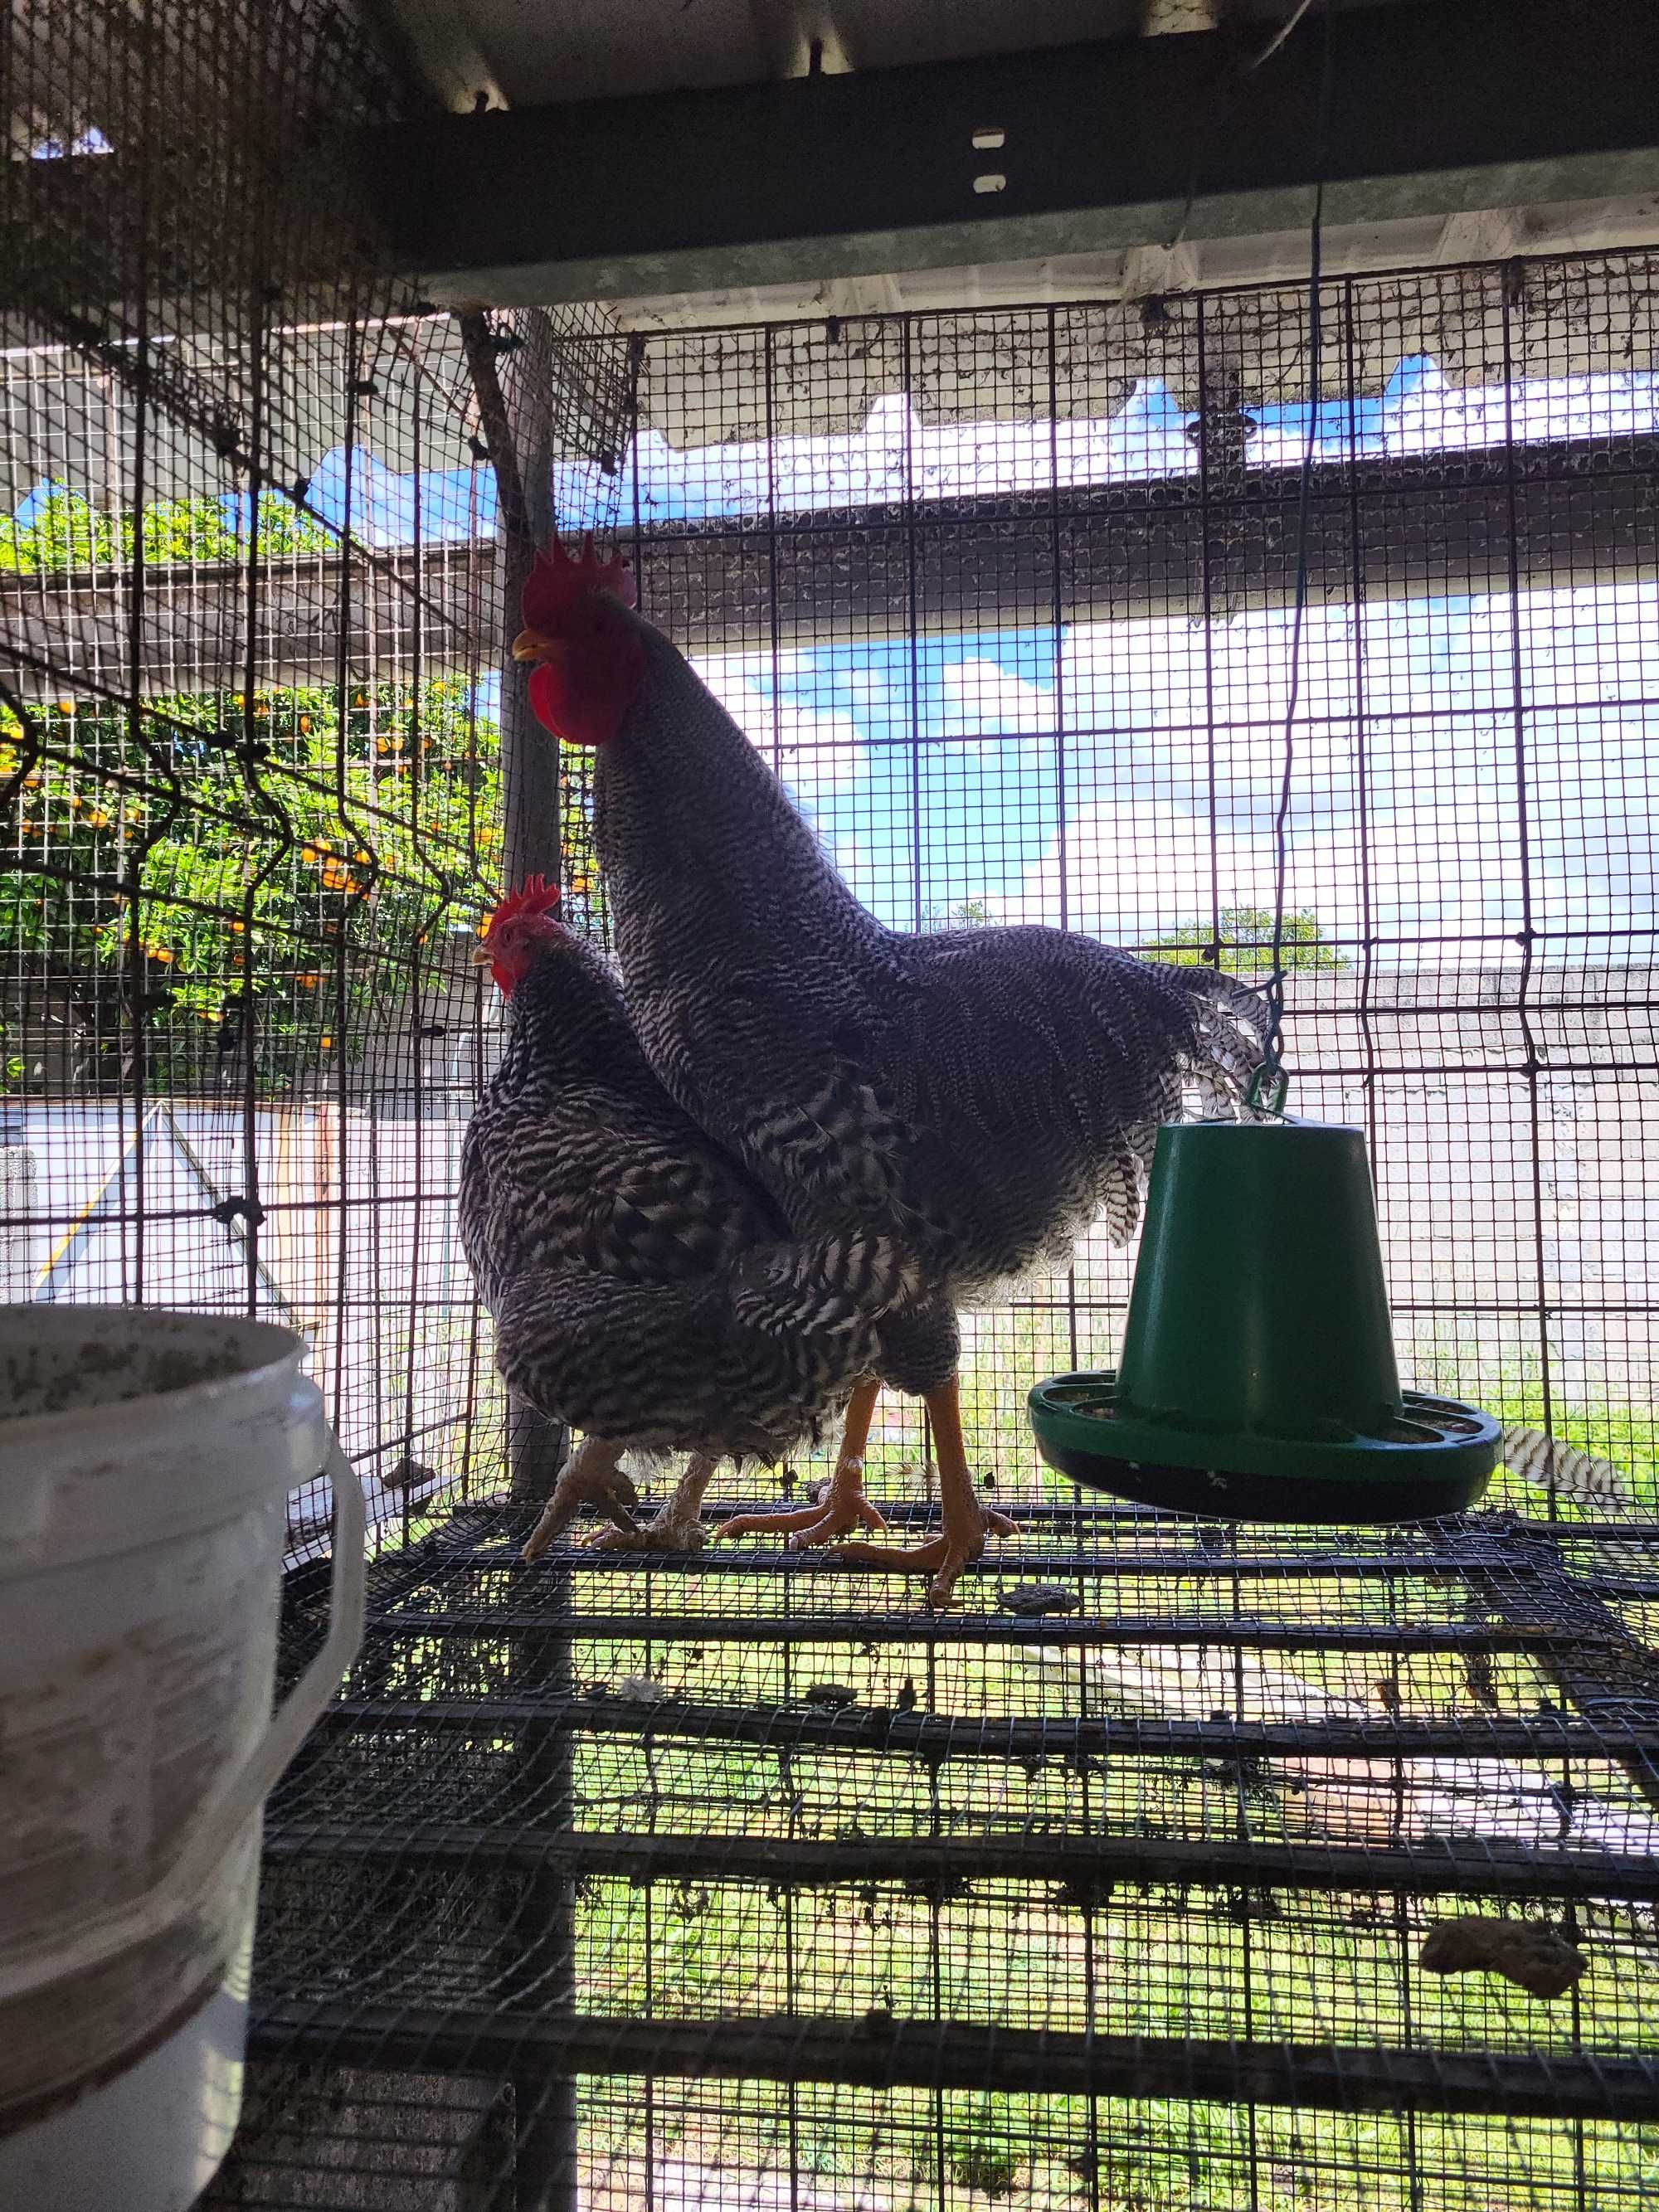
(1268, 1086)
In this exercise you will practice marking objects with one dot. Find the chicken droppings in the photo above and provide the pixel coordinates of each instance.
(1034, 1598)
(835, 1695)
(1525, 1952)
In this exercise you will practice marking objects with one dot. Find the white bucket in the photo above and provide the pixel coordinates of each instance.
(144, 1460)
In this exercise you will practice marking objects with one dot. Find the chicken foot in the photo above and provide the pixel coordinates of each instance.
(967, 1524)
(844, 1507)
(677, 1527)
(593, 1477)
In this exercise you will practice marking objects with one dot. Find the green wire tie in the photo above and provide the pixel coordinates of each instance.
(1269, 1087)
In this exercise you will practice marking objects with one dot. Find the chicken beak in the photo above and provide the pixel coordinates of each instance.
(480, 956)
(530, 644)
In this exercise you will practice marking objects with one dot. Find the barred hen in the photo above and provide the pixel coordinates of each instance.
(978, 1097)
(644, 1288)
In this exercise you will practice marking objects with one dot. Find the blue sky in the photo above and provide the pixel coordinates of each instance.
(1166, 736)
(1430, 771)
(896, 453)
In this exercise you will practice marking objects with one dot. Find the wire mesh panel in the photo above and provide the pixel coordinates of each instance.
(239, 1026)
(1144, 1899)
(1045, 677)
(248, 643)
(1184, 1864)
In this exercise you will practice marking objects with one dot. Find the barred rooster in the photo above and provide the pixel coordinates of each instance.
(977, 1096)
(644, 1288)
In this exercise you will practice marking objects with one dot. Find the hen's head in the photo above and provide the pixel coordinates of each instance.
(589, 661)
(523, 926)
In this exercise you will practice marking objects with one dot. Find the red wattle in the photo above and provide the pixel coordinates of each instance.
(547, 697)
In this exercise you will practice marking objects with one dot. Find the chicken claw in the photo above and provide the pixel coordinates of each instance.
(677, 1527)
(838, 1513)
(662, 1533)
(943, 1557)
(593, 1477)
(967, 1523)
(844, 1508)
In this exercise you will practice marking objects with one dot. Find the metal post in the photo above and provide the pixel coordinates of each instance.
(516, 421)
(516, 417)
(537, 1449)
(546, 2131)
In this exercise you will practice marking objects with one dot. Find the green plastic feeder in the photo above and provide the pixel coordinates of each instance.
(1258, 1378)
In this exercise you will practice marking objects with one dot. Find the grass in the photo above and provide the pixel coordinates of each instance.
(907, 2151)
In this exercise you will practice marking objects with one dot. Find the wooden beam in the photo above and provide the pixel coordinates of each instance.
(68, 634)
(1421, 526)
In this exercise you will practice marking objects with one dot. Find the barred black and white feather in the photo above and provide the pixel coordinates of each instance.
(980, 1096)
(1567, 1470)
(644, 1287)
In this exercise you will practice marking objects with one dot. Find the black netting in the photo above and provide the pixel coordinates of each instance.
(733, 1880)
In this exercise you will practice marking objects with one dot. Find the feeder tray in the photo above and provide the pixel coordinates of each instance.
(1258, 1378)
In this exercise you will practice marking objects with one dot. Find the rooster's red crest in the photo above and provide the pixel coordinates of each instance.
(557, 583)
(535, 895)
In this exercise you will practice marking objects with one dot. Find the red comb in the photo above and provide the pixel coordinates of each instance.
(557, 583)
(534, 896)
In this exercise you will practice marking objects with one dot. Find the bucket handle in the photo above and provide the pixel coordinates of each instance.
(239, 1796)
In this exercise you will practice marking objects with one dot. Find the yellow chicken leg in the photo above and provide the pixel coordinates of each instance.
(846, 1507)
(967, 1524)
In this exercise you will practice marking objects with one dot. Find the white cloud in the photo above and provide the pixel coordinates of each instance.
(1135, 866)
(822, 752)
(1433, 415)
(1427, 775)
(822, 748)
(1405, 744)
(864, 687)
(896, 454)
(980, 698)
(1132, 867)
(1140, 674)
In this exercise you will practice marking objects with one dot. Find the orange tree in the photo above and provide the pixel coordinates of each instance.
(269, 882)
(65, 531)
(264, 877)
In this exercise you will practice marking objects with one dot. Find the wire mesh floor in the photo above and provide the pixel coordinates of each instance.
(745, 1817)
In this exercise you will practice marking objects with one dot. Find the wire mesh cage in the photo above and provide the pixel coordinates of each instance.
(1184, 1864)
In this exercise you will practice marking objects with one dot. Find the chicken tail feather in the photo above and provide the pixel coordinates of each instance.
(1230, 1023)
